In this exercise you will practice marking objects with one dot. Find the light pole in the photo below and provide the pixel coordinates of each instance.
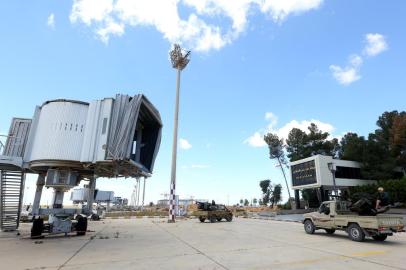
(179, 59)
(333, 172)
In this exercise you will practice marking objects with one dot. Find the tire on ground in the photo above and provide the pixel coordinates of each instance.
(356, 233)
(81, 226)
(202, 219)
(229, 218)
(37, 228)
(309, 226)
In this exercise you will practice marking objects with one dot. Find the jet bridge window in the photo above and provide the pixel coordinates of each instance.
(145, 138)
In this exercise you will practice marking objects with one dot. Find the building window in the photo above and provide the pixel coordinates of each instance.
(348, 172)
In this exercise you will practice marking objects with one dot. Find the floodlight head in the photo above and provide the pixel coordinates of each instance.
(179, 57)
(331, 166)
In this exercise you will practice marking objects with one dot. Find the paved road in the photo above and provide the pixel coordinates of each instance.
(241, 244)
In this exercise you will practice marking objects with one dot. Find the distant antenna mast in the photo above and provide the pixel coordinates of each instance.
(180, 59)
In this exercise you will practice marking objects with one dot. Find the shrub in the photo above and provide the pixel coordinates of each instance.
(396, 189)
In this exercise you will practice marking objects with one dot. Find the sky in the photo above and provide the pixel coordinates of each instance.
(256, 66)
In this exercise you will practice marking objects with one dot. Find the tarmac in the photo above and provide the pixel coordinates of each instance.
(152, 243)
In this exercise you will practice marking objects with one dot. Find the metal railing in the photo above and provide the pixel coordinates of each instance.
(2, 146)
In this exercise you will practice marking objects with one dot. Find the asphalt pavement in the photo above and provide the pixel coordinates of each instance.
(188, 244)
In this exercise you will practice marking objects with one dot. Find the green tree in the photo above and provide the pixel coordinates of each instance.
(296, 144)
(276, 146)
(266, 189)
(241, 202)
(246, 202)
(276, 194)
(352, 147)
(377, 163)
(310, 196)
(383, 155)
(383, 152)
(302, 145)
(397, 140)
(260, 202)
(255, 201)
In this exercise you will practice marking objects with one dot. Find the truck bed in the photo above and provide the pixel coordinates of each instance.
(369, 222)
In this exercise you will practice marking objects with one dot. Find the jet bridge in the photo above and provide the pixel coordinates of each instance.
(67, 141)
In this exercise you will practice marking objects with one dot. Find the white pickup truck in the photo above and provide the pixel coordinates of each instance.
(335, 215)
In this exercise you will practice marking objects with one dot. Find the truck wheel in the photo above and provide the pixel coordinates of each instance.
(380, 237)
(355, 233)
(95, 217)
(202, 219)
(81, 226)
(219, 219)
(212, 219)
(330, 231)
(229, 218)
(309, 226)
(37, 228)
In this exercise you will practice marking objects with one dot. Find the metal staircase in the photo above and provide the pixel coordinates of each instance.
(11, 194)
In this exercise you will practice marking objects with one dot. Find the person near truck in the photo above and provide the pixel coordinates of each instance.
(382, 199)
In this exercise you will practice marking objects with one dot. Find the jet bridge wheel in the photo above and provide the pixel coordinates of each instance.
(37, 228)
(81, 226)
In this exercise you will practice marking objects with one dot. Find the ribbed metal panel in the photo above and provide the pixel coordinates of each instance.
(97, 130)
(17, 137)
(60, 131)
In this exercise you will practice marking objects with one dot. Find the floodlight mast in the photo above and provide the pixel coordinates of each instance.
(180, 59)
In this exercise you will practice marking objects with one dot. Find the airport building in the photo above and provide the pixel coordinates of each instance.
(325, 174)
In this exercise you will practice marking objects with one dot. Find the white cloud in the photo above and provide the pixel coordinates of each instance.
(346, 75)
(273, 119)
(355, 60)
(184, 144)
(51, 21)
(350, 73)
(257, 139)
(376, 44)
(279, 10)
(111, 28)
(196, 29)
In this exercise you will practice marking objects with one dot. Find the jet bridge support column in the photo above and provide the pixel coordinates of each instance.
(143, 192)
(90, 198)
(38, 193)
(138, 191)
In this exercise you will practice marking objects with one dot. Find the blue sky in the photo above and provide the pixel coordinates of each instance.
(256, 66)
